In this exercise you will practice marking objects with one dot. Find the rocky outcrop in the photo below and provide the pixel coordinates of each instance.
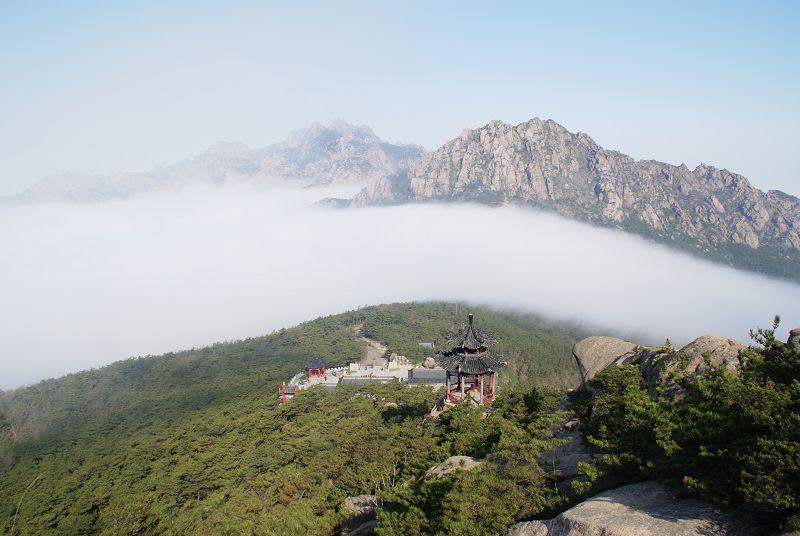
(362, 515)
(336, 153)
(709, 211)
(594, 354)
(451, 465)
(316, 155)
(641, 509)
(360, 506)
(429, 363)
(659, 365)
(794, 339)
(563, 460)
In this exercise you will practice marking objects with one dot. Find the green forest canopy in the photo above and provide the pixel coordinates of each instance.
(194, 441)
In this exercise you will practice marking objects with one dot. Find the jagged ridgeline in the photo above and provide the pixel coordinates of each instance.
(709, 212)
(195, 442)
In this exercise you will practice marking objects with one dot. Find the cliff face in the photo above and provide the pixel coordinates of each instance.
(710, 211)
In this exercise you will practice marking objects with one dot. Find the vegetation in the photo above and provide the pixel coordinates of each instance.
(510, 485)
(732, 439)
(769, 259)
(195, 443)
(538, 352)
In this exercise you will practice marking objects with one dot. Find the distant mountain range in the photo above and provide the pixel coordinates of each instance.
(709, 212)
(316, 155)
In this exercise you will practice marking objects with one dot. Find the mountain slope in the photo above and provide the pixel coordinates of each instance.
(539, 354)
(195, 442)
(316, 155)
(711, 212)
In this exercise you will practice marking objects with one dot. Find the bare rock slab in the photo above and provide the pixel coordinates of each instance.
(594, 354)
(644, 509)
(453, 464)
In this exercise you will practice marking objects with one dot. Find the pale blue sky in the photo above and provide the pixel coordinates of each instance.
(106, 86)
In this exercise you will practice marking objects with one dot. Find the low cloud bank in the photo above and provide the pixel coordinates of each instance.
(82, 286)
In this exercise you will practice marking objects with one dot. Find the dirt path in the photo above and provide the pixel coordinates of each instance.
(375, 350)
(375, 353)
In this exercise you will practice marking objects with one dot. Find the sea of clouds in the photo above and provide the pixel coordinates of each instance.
(85, 285)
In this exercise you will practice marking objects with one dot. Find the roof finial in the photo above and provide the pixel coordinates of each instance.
(470, 319)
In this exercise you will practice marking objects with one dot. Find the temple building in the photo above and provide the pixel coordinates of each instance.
(317, 367)
(426, 376)
(470, 366)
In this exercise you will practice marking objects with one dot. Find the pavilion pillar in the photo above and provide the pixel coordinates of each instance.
(447, 385)
(461, 382)
(480, 398)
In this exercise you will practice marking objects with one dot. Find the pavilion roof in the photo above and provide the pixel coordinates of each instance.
(471, 338)
(466, 363)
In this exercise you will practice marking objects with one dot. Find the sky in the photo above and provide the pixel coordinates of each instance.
(86, 285)
(102, 87)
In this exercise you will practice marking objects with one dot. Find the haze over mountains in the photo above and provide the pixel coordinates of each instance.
(709, 212)
(88, 284)
(315, 155)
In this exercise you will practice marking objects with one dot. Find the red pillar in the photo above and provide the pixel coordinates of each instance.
(480, 398)
(461, 383)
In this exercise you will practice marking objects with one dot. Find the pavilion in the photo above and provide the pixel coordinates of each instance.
(316, 367)
(470, 366)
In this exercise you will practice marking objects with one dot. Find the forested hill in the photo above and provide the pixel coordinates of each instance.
(165, 387)
(95, 446)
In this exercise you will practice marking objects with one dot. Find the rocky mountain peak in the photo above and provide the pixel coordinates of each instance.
(337, 129)
(708, 211)
(317, 154)
(339, 125)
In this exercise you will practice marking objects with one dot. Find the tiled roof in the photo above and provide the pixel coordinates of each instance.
(479, 363)
(426, 375)
(470, 353)
(471, 338)
(366, 380)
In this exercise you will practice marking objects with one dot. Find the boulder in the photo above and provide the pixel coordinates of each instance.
(429, 362)
(719, 349)
(362, 514)
(453, 464)
(659, 366)
(794, 339)
(360, 505)
(643, 509)
(594, 354)
(529, 528)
